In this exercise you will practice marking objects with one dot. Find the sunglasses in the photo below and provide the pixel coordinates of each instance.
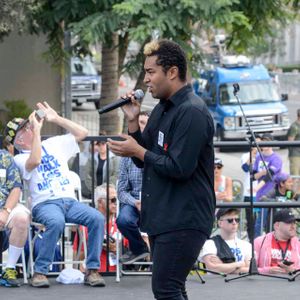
(113, 200)
(218, 167)
(230, 220)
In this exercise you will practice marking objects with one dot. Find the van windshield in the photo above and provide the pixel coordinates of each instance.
(250, 92)
(82, 67)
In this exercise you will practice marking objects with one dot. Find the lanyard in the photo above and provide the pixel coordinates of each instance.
(112, 226)
(283, 253)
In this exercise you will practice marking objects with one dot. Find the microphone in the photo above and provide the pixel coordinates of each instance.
(138, 95)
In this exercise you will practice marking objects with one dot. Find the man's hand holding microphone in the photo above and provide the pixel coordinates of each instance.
(129, 147)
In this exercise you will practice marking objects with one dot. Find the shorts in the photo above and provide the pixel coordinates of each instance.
(17, 210)
(4, 233)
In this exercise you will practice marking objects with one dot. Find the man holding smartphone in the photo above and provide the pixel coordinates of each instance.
(277, 252)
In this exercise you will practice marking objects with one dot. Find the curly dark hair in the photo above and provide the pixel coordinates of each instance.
(168, 54)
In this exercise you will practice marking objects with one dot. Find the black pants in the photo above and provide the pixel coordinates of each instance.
(173, 255)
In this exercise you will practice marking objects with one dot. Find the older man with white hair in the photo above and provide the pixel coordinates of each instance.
(101, 205)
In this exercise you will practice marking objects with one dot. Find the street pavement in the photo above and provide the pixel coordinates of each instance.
(139, 287)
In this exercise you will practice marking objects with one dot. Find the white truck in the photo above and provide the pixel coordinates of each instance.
(85, 82)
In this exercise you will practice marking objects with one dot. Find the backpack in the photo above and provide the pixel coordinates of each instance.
(223, 250)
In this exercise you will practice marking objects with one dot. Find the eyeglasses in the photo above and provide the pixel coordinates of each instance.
(218, 167)
(113, 200)
(230, 220)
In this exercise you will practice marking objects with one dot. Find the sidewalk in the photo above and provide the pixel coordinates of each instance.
(139, 287)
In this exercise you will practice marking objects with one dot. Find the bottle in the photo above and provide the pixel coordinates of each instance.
(288, 195)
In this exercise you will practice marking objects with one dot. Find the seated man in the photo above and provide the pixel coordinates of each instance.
(14, 217)
(278, 251)
(225, 252)
(129, 190)
(100, 202)
(44, 168)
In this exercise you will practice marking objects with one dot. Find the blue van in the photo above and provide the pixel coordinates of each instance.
(258, 95)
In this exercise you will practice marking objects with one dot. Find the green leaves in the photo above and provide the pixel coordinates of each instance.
(13, 15)
(245, 22)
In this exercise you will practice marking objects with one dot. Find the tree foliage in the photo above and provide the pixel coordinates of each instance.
(247, 23)
(13, 15)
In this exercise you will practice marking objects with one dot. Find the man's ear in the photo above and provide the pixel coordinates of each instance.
(173, 73)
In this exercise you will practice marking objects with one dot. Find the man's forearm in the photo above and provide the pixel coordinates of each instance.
(36, 152)
(13, 198)
(140, 153)
(77, 130)
(224, 268)
(133, 126)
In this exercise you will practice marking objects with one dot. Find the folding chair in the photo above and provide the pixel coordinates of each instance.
(120, 271)
(75, 179)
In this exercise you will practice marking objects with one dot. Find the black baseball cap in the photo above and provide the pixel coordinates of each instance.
(285, 216)
(267, 137)
(224, 211)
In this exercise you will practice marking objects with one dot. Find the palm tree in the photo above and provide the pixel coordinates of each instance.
(110, 122)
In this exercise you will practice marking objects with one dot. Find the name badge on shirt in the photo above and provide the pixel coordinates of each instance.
(160, 139)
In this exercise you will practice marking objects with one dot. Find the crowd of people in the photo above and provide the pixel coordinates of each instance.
(276, 245)
(162, 170)
(43, 167)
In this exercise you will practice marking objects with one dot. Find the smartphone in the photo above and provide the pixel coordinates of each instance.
(115, 138)
(40, 114)
(287, 263)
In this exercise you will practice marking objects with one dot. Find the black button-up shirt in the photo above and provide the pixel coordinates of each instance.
(178, 176)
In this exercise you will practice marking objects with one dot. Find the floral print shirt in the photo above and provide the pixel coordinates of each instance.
(9, 176)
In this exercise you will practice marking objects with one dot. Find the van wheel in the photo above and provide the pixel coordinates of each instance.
(97, 104)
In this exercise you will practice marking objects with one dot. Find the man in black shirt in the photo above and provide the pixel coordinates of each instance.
(176, 150)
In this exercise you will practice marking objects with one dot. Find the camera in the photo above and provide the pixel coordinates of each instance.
(40, 114)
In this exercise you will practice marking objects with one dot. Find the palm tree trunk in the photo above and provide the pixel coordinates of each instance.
(110, 122)
(140, 80)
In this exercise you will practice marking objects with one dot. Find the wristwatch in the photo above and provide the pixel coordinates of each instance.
(7, 209)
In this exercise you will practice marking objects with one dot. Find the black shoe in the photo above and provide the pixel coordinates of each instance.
(129, 258)
(9, 278)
